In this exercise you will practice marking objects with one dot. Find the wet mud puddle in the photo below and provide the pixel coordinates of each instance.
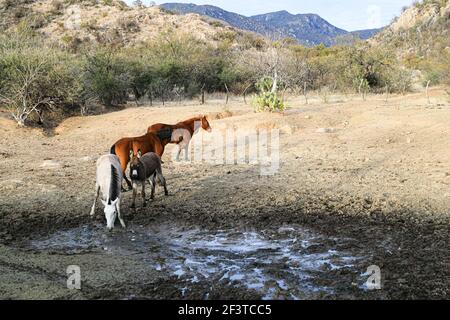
(287, 262)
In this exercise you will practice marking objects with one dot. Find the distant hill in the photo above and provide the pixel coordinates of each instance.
(74, 24)
(233, 19)
(420, 37)
(307, 29)
(366, 34)
(421, 29)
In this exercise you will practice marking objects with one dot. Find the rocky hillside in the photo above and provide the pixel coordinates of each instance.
(420, 38)
(74, 23)
(308, 29)
(231, 18)
(422, 29)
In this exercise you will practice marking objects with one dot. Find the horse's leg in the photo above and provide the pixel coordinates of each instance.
(120, 214)
(130, 186)
(95, 199)
(186, 152)
(163, 148)
(153, 184)
(159, 149)
(179, 152)
(186, 140)
(144, 202)
(162, 180)
(133, 204)
(124, 158)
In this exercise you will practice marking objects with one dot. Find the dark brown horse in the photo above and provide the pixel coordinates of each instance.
(146, 143)
(180, 133)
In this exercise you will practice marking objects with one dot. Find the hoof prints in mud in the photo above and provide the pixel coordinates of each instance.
(280, 263)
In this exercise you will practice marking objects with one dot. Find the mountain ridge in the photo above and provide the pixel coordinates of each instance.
(308, 29)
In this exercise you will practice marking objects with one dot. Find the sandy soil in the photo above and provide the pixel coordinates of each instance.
(374, 171)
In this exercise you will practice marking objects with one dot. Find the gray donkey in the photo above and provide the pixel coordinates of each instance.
(144, 168)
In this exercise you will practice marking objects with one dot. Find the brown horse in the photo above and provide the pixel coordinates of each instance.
(180, 133)
(146, 143)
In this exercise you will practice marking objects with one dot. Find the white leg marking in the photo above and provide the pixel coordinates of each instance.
(95, 200)
(120, 214)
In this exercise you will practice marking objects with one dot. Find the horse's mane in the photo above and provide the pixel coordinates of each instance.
(199, 117)
(113, 187)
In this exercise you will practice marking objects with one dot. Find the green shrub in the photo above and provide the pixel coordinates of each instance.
(166, 11)
(216, 24)
(107, 2)
(361, 85)
(106, 78)
(266, 99)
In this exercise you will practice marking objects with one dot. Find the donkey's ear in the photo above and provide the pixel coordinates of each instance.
(104, 202)
(131, 154)
(139, 153)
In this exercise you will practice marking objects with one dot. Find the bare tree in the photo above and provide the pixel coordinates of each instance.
(427, 91)
(202, 90)
(305, 93)
(23, 97)
(33, 77)
(228, 93)
(138, 4)
(284, 66)
(244, 93)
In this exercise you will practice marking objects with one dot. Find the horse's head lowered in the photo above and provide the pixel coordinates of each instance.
(110, 212)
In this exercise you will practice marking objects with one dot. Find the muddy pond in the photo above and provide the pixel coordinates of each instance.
(283, 262)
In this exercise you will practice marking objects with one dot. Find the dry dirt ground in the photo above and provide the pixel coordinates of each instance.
(374, 171)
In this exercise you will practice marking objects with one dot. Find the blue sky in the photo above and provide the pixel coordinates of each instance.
(346, 14)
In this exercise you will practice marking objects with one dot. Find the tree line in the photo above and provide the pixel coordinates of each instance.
(36, 76)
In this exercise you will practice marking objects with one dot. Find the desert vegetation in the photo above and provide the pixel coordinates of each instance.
(361, 176)
(71, 75)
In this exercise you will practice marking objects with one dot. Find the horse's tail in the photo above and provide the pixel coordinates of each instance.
(113, 149)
